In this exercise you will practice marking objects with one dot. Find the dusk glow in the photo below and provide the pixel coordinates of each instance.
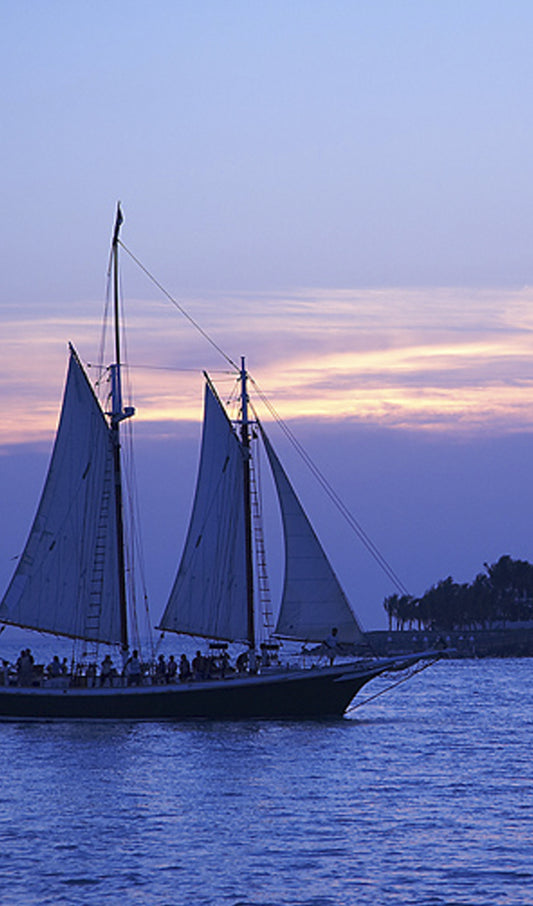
(441, 359)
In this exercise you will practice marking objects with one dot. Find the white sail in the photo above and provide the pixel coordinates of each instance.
(209, 597)
(313, 601)
(66, 582)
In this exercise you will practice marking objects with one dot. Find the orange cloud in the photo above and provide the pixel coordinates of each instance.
(451, 359)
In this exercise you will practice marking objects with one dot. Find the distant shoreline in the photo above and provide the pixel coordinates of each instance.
(477, 643)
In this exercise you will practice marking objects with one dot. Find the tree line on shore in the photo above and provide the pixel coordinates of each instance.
(502, 594)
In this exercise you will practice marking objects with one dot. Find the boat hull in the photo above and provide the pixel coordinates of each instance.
(310, 693)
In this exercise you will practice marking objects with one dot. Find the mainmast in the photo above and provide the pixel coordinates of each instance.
(245, 438)
(118, 414)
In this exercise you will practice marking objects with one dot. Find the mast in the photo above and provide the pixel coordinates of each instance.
(117, 415)
(245, 439)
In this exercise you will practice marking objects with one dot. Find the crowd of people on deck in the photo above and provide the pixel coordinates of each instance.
(135, 672)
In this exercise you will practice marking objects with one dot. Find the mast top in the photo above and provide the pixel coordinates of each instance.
(119, 220)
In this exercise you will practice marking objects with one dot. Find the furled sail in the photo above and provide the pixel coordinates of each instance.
(313, 601)
(209, 596)
(66, 581)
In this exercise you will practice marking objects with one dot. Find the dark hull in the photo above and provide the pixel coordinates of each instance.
(313, 693)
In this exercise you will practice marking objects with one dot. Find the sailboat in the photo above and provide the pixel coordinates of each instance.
(70, 580)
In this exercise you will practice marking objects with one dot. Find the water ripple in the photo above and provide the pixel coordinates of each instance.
(427, 801)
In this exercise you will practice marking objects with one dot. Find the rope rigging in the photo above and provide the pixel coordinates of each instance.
(412, 672)
(180, 308)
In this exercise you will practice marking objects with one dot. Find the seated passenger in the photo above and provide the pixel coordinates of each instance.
(242, 662)
(211, 667)
(225, 666)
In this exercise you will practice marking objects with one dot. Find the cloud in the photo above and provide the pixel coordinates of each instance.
(452, 359)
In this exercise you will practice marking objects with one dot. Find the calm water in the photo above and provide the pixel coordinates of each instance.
(424, 796)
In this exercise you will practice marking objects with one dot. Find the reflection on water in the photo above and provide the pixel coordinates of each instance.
(424, 796)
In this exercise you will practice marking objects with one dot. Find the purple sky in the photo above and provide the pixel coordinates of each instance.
(342, 192)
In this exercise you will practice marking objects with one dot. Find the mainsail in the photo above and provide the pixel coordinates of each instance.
(313, 601)
(209, 597)
(66, 581)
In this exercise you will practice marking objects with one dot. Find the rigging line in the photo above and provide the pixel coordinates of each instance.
(176, 369)
(101, 368)
(399, 682)
(180, 308)
(350, 519)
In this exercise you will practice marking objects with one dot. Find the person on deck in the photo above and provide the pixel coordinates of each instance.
(242, 662)
(172, 669)
(331, 645)
(198, 666)
(133, 669)
(54, 668)
(185, 669)
(91, 675)
(106, 671)
(161, 670)
(25, 668)
(225, 665)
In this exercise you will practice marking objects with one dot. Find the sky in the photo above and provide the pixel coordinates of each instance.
(340, 191)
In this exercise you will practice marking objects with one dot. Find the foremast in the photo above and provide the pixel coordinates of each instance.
(245, 440)
(117, 415)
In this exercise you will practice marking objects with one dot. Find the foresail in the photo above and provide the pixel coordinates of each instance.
(313, 601)
(66, 580)
(209, 596)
